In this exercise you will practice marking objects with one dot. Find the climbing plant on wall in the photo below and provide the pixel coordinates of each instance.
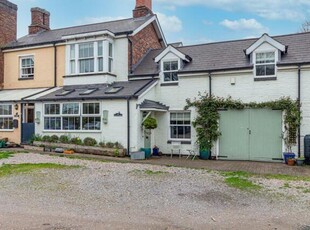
(207, 121)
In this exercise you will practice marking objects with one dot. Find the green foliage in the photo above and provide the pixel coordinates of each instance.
(6, 170)
(76, 141)
(110, 145)
(207, 121)
(102, 144)
(35, 137)
(5, 155)
(241, 183)
(46, 138)
(64, 139)
(116, 153)
(118, 145)
(54, 138)
(150, 123)
(88, 141)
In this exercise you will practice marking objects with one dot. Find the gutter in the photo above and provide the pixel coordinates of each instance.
(210, 84)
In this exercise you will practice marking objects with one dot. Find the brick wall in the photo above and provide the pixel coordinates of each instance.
(143, 41)
(8, 30)
(40, 20)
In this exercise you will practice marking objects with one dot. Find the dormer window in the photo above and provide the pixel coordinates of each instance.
(170, 69)
(265, 64)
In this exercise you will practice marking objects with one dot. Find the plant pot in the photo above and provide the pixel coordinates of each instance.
(300, 162)
(286, 156)
(204, 154)
(291, 162)
(147, 152)
(155, 151)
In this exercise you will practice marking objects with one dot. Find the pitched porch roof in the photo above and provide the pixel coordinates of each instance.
(149, 105)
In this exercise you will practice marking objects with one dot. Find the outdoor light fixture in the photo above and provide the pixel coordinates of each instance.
(105, 115)
(37, 119)
(16, 106)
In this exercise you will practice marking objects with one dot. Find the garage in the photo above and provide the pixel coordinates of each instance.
(251, 134)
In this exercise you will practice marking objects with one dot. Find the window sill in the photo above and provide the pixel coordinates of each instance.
(182, 142)
(170, 84)
(89, 74)
(265, 78)
(6, 130)
(25, 79)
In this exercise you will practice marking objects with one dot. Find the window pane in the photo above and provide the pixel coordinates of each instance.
(72, 52)
(260, 70)
(180, 126)
(91, 108)
(100, 48)
(270, 69)
(86, 65)
(174, 65)
(71, 123)
(166, 66)
(91, 123)
(70, 108)
(110, 50)
(86, 50)
(52, 109)
(72, 66)
(6, 123)
(173, 132)
(6, 110)
(110, 65)
(167, 76)
(52, 123)
(100, 64)
(174, 76)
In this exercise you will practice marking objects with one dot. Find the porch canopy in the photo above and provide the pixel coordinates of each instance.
(18, 95)
(153, 106)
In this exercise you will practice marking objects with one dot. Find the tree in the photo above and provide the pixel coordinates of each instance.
(305, 27)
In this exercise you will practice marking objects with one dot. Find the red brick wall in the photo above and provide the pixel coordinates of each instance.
(143, 41)
(8, 29)
(40, 20)
(147, 3)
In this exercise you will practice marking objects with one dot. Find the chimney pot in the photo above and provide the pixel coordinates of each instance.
(40, 20)
(143, 8)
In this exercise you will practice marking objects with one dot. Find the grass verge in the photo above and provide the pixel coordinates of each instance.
(240, 180)
(9, 169)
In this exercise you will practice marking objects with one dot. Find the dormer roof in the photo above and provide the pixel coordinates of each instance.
(171, 49)
(265, 38)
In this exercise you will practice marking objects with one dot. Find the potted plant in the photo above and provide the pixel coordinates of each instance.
(300, 161)
(289, 143)
(155, 150)
(291, 161)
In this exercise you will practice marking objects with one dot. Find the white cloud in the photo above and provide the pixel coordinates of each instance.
(170, 24)
(270, 9)
(244, 24)
(91, 20)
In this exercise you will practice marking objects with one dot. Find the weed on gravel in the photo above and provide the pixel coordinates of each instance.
(149, 172)
(9, 169)
(5, 155)
(240, 180)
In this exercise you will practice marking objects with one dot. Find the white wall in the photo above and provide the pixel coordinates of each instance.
(121, 59)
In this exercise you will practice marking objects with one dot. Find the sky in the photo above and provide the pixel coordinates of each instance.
(188, 21)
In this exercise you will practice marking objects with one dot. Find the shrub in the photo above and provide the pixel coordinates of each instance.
(46, 138)
(118, 145)
(102, 144)
(88, 141)
(54, 139)
(110, 145)
(150, 123)
(116, 153)
(64, 139)
(76, 141)
(36, 137)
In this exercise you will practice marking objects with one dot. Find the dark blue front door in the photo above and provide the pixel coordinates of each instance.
(27, 132)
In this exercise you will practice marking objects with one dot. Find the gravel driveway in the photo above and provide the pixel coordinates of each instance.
(103, 195)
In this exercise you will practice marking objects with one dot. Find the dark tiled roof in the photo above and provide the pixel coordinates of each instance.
(148, 104)
(128, 89)
(229, 55)
(116, 27)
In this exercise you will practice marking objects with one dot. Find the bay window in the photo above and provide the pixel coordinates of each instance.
(6, 117)
(180, 125)
(90, 57)
(72, 116)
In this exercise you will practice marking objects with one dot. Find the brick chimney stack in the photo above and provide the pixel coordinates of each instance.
(40, 20)
(8, 29)
(143, 8)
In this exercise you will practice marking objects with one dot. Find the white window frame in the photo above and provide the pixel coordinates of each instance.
(163, 72)
(51, 116)
(25, 76)
(111, 58)
(169, 125)
(105, 56)
(275, 62)
(81, 115)
(8, 116)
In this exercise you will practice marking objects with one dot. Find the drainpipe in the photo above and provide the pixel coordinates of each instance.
(128, 125)
(299, 107)
(130, 53)
(55, 64)
(210, 84)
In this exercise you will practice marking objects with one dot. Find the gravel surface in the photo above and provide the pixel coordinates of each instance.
(103, 195)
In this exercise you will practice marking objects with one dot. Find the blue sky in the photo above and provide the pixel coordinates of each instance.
(189, 21)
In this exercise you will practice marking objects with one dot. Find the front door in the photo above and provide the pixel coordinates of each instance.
(28, 123)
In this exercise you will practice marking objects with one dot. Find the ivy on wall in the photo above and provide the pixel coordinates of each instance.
(207, 121)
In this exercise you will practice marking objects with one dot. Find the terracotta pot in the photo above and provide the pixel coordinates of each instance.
(291, 162)
(68, 152)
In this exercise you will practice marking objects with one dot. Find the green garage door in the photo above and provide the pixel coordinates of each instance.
(251, 134)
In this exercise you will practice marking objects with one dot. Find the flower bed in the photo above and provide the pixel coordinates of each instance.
(84, 149)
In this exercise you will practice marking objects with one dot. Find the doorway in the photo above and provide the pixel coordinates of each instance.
(28, 126)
